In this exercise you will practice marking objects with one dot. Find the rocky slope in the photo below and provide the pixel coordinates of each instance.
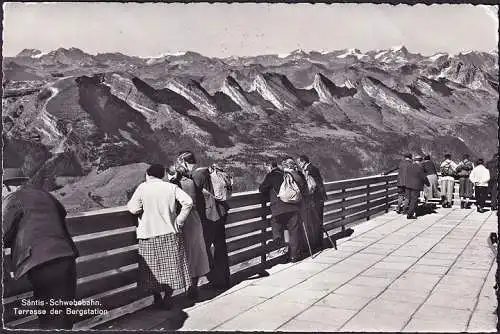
(68, 116)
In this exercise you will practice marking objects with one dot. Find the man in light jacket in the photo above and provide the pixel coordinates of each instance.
(480, 176)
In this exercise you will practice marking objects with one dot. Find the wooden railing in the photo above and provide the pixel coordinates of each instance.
(107, 268)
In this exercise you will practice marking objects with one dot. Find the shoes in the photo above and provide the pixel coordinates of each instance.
(192, 293)
(162, 303)
(411, 217)
(462, 205)
(480, 210)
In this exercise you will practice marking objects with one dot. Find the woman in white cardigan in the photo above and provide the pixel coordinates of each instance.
(163, 264)
(480, 176)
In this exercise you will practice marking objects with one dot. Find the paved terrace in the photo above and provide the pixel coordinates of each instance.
(432, 274)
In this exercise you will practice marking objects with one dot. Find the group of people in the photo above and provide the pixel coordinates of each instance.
(179, 221)
(182, 214)
(302, 216)
(181, 230)
(417, 174)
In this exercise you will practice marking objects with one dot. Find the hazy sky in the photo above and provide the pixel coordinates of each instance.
(246, 29)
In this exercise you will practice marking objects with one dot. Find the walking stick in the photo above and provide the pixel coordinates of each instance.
(328, 236)
(307, 238)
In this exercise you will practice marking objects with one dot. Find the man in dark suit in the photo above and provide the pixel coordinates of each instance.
(283, 214)
(318, 200)
(213, 215)
(415, 180)
(34, 229)
(402, 176)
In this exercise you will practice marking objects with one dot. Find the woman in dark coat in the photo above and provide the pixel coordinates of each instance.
(193, 231)
(466, 188)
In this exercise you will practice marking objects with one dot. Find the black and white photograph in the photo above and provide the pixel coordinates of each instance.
(326, 167)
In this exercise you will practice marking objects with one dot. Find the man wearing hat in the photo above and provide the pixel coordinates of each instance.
(34, 229)
(415, 180)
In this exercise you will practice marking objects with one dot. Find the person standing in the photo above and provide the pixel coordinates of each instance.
(492, 166)
(285, 214)
(196, 249)
(316, 201)
(431, 190)
(213, 214)
(447, 180)
(163, 264)
(35, 230)
(270, 187)
(480, 176)
(466, 188)
(402, 179)
(415, 181)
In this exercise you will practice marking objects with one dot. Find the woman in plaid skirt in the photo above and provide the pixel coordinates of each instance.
(163, 265)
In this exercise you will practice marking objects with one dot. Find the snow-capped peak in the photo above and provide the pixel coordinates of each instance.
(397, 48)
(178, 53)
(352, 52)
(437, 56)
(41, 54)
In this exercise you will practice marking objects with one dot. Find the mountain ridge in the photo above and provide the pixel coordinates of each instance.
(352, 112)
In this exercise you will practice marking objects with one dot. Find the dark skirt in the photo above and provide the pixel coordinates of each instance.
(310, 215)
(466, 187)
(163, 263)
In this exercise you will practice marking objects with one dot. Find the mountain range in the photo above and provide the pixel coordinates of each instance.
(84, 125)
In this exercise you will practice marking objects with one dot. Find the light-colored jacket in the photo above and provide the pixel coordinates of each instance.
(480, 176)
(155, 200)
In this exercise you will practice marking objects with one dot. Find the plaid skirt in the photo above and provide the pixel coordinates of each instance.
(163, 263)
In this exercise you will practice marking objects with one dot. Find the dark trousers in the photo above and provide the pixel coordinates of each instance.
(481, 195)
(402, 199)
(290, 220)
(215, 235)
(412, 197)
(55, 279)
(493, 187)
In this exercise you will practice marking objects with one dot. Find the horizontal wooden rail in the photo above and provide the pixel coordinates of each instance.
(107, 266)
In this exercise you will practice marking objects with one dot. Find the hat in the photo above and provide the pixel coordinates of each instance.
(13, 176)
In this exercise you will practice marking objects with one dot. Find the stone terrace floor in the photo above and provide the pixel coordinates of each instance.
(435, 273)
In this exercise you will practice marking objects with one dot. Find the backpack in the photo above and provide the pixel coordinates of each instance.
(289, 190)
(222, 183)
(465, 169)
(446, 169)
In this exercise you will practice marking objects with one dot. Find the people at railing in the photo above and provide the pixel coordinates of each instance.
(492, 166)
(42, 249)
(213, 214)
(285, 214)
(447, 181)
(415, 180)
(432, 190)
(315, 202)
(163, 263)
(466, 187)
(480, 176)
(193, 230)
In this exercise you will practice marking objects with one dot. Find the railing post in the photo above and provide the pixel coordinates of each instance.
(367, 201)
(387, 195)
(342, 208)
(263, 256)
